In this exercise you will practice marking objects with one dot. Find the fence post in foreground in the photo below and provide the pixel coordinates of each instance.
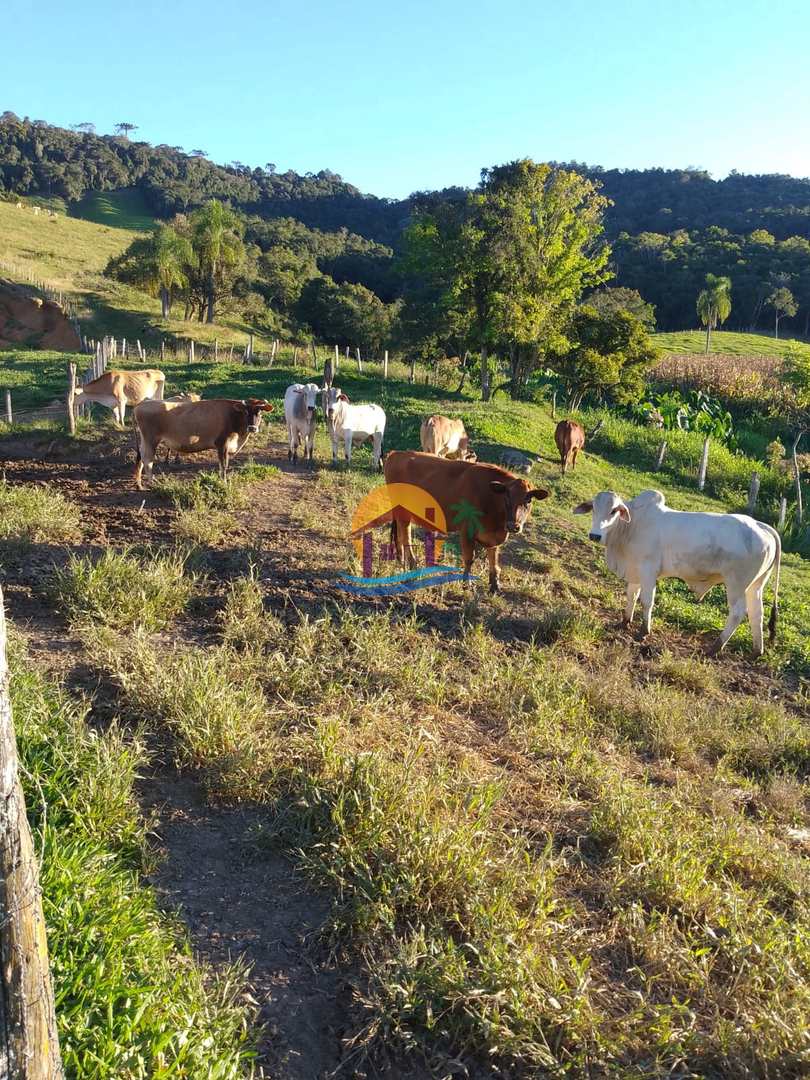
(71, 415)
(385, 364)
(797, 478)
(412, 376)
(9, 414)
(659, 461)
(29, 1045)
(359, 360)
(753, 493)
(337, 359)
(554, 405)
(704, 462)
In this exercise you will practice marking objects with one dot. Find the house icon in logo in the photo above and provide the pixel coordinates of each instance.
(411, 505)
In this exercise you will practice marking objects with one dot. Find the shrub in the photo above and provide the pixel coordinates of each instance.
(37, 515)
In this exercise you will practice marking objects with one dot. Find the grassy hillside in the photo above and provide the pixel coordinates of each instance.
(728, 342)
(123, 209)
(70, 254)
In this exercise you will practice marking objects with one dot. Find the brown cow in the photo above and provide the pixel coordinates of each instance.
(445, 437)
(191, 426)
(484, 502)
(117, 389)
(570, 439)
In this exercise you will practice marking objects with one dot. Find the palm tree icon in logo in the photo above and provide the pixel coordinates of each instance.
(466, 518)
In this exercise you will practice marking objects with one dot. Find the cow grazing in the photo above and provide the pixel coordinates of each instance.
(191, 426)
(445, 437)
(570, 439)
(117, 389)
(483, 503)
(353, 424)
(300, 414)
(646, 540)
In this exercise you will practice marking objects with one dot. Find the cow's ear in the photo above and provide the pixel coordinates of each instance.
(497, 485)
(623, 512)
(583, 508)
(267, 406)
(538, 493)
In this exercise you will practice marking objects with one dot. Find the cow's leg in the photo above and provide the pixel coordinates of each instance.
(736, 614)
(647, 596)
(574, 453)
(145, 460)
(224, 461)
(290, 446)
(410, 557)
(467, 553)
(494, 570)
(629, 608)
(347, 447)
(376, 459)
(753, 603)
(122, 410)
(334, 448)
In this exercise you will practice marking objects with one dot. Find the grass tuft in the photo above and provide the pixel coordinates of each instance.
(37, 515)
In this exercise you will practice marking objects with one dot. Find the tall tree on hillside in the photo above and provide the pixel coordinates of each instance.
(125, 129)
(216, 235)
(512, 259)
(783, 303)
(714, 304)
(159, 263)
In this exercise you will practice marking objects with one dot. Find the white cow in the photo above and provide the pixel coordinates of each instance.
(646, 540)
(300, 405)
(354, 424)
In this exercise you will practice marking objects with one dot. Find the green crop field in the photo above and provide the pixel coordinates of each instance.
(729, 342)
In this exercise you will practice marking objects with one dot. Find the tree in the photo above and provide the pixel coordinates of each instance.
(124, 129)
(216, 235)
(609, 300)
(714, 304)
(605, 354)
(782, 302)
(507, 264)
(159, 263)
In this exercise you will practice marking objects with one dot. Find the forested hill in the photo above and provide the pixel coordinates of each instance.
(668, 227)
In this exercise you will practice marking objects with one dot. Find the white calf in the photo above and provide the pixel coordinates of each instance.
(645, 540)
(353, 424)
(300, 405)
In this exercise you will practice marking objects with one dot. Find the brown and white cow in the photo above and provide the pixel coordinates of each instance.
(570, 439)
(482, 502)
(445, 437)
(117, 389)
(191, 426)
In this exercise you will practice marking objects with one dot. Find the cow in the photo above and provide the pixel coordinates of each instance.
(354, 424)
(117, 389)
(646, 540)
(300, 414)
(445, 437)
(570, 439)
(482, 502)
(184, 395)
(191, 426)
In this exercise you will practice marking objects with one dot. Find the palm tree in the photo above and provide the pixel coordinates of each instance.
(172, 254)
(217, 238)
(714, 304)
(467, 517)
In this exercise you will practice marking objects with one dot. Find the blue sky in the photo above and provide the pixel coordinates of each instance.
(422, 95)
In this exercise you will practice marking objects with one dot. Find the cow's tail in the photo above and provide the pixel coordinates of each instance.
(777, 562)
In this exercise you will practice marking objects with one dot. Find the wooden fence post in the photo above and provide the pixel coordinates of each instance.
(71, 415)
(29, 1044)
(797, 477)
(216, 349)
(359, 360)
(162, 350)
(337, 358)
(9, 414)
(191, 350)
(412, 376)
(554, 405)
(385, 364)
(782, 512)
(704, 462)
(753, 493)
(314, 356)
(485, 388)
(659, 461)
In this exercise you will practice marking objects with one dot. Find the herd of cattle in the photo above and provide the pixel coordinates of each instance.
(644, 539)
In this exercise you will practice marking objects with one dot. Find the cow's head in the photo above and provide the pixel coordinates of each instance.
(331, 396)
(254, 407)
(607, 508)
(517, 497)
(311, 391)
